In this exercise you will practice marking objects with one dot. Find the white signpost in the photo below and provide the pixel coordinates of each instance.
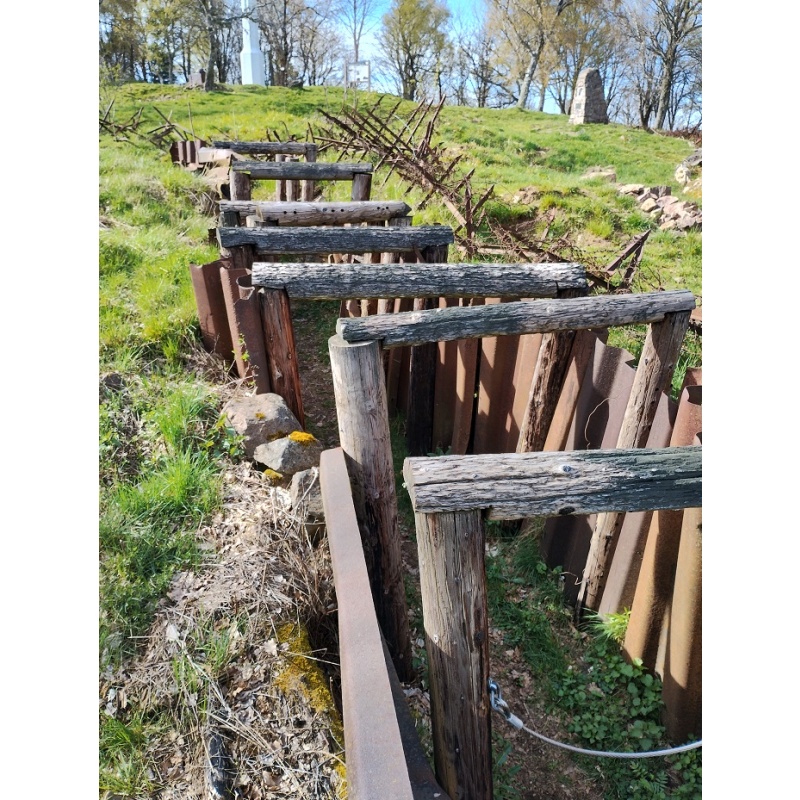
(358, 75)
(251, 56)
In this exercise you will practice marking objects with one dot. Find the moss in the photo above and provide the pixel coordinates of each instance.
(301, 437)
(303, 675)
(272, 476)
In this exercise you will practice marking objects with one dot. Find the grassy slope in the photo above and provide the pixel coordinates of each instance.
(159, 439)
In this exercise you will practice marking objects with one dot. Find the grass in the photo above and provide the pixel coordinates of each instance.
(162, 447)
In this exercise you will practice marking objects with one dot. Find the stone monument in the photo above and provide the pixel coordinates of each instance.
(251, 56)
(589, 102)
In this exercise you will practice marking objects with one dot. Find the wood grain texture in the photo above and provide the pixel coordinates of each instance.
(360, 394)
(453, 587)
(336, 240)
(266, 148)
(318, 213)
(337, 281)
(517, 485)
(301, 170)
(539, 316)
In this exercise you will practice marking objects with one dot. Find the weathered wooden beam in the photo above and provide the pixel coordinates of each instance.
(517, 485)
(338, 281)
(266, 148)
(454, 608)
(360, 394)
(301, 170)
(538, 316)
(318, 213)
(653, 377)
(241, 188)
(336, 240)
(309, 187)
(362, 186)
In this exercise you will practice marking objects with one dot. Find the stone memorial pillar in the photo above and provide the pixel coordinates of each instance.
(251, 56)
(589, 102)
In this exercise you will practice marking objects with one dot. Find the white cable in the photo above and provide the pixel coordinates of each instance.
(500, 705)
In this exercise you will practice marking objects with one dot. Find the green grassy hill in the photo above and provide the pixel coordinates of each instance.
(162, 448)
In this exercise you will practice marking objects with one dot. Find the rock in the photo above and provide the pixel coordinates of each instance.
(661, 191)
(648, 205)
(307, 500)
(666, 201)
(527, 196)
(260, 418)
(631, 188)
(294, 453)
(605, 173)
(657, 213)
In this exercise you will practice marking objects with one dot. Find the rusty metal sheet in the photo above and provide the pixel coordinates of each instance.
(646, 636)
(524, 368)
(374, 751)
(596, 424)
(626, 559)
(444, 392)
(244, 315)
(211, 310)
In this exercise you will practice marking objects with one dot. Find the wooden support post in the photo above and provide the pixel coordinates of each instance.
(229, 219)
(293, 186)
(240, 185)
(422, 381)
(653, 377)
(362, 186)
(280, 185)
(309, 187)
(453, 585)
(548, 380)
(276, 317)
(360, 394)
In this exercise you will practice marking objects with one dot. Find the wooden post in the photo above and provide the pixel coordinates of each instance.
(280, 186)
(360, 394)
(240, 185)
(453, 585)
(229, 219)
(653, 377)
(276, 317)
(309, 188)
(292, 187)
(362, 185)
(422, 381)
(548, 380)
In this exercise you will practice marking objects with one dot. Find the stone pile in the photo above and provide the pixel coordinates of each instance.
(670, 212)
(273, 438)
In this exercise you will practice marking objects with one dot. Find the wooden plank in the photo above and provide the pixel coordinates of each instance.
(303, 213)
(302, 170)
(340, 281)
(653, 377)
(241, 188)
(214, 155)
(309, 186)
(360, 394)
(517, 485)
(539, 316)
(362, 186)
(266, 148)
(454, 608)
(337, 240)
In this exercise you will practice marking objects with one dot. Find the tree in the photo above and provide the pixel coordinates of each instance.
(414, 38)
(353, 15)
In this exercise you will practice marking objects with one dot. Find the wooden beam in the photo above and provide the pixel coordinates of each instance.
(360, 394)
(454, 608)
(336, 240)
(266, 148)
(302, 170)
(340, 281)
(518, 485)
(318, 213)
(538, 316)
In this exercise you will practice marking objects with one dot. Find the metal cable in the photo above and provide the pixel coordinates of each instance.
(500, 705)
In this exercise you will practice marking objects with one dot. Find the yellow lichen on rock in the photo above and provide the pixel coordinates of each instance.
(272, 476)
(301, 437)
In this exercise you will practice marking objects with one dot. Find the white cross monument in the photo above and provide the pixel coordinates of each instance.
(251, 56)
